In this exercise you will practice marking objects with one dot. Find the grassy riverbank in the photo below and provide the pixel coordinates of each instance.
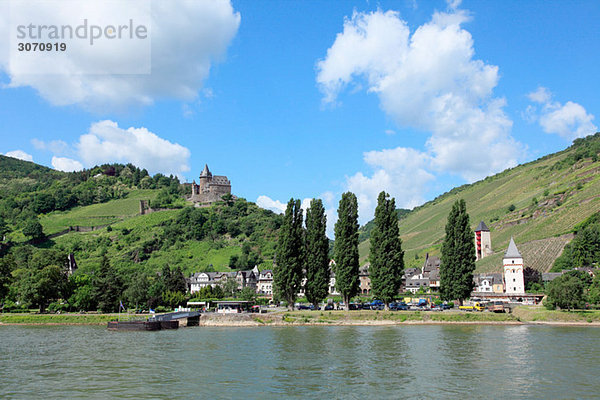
(540, 314)
(522, 314)
(57, 319)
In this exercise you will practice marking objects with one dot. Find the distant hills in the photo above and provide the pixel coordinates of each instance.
(538, 203)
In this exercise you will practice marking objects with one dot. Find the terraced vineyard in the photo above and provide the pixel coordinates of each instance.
(537, 254)
(97, 214)
(550, 196)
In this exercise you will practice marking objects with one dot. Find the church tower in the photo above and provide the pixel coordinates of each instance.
(513, 270)
(483, 241)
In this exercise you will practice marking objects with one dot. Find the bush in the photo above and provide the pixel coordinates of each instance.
(511, 208)
(58, 307)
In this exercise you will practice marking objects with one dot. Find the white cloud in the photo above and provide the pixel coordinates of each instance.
(269, 204)
(66, 164)
(429, 80)
(55, 146)
(401, 172)
(569, 120)
(187, 37)
(107, 142)
(541, 95)
(19, 154)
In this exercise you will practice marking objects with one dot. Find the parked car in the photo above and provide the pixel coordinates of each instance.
(306, 307)
(328, 307)
(398, 306)
(355, 306)
(377, 305)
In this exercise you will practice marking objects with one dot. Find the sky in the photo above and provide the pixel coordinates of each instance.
(306, 99)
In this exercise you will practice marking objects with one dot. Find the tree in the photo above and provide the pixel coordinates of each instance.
(107, 287)
(137, 292)
(248, 294)
(4, 229)
(317, 253)
(230, 287)
(346, 248)
(458, 255)
(83, 293)
(287, 271)
(34, 229)
(531, 276)
(7, 264)
(566, 292)
(386, 255)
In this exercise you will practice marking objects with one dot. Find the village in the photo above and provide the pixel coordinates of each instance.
(507, 287)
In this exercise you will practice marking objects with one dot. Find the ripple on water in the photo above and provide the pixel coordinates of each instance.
(301, 362)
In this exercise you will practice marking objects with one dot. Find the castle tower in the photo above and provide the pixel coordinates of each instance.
(205, 178)
(483, 241)
(513, 270)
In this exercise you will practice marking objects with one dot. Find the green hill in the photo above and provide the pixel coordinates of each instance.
(195, 239)
(538, 203)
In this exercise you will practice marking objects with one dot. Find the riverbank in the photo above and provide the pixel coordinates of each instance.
(520, 315)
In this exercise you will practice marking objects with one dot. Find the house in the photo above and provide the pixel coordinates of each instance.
(550, 276)
(264, 285)
(201, 280)
(488, 283)
(247, 278)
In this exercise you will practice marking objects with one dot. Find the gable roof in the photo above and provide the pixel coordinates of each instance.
(512, 251)
(482, 227)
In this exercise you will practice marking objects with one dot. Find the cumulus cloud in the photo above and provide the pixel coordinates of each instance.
(569, 120)
(187, 38)
(19, 154)
(279, 207)
(269, 204)
(402, 172)
(66, 164)
(107, 142)
(427, 80)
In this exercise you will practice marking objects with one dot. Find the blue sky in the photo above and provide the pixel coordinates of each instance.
(313, 98)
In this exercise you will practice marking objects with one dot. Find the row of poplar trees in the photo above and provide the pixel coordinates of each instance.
(303, 252)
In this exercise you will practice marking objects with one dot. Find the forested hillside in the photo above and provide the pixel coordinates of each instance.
(138, 258)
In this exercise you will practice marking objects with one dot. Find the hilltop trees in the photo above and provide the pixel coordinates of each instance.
(386, 255)
(287, 271)
(346, 248)
(317, 257)
(458, 255)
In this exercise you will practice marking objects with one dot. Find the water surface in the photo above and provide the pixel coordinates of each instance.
(422, 362)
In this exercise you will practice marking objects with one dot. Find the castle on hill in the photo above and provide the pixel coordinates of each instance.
(210, 188)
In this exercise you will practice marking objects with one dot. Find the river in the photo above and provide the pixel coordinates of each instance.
(307, 362)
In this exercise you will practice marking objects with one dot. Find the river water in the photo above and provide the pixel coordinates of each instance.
(308, 362)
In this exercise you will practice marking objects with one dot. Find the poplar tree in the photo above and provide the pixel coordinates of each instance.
(386, 256)
(287, 271)
(346, 248)
(458, 256)
(317, 253)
